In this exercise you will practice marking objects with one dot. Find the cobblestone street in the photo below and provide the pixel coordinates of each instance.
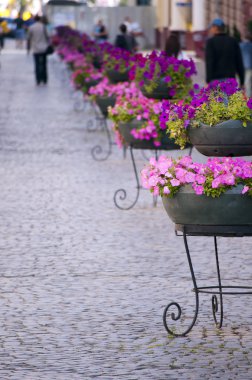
(83, 285)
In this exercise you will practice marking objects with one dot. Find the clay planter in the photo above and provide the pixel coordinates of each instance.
(231, 208)
(104, 102)
(160, 92)
(126, 128)
(116, 77)
(97, 62)
(228, 138)
(91, 83)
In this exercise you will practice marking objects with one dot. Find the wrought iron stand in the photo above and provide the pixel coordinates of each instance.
(98, 152)
(121, 194)
(217, 290)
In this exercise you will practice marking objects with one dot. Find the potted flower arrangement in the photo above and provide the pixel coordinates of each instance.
(215, 193)
(218, 121)
(92, 51)
(70, 56)
(162, 77)
(105, 94)
(69, 37)
(85, 75)
(116, 63)
(136, 121)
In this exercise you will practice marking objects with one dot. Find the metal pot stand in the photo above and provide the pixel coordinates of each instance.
(217, 291)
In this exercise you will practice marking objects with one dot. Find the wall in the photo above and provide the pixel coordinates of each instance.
(85, 18)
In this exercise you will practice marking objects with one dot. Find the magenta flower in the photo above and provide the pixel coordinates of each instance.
(160, 173)
(199, 190)
(245, 189)
(175, 182)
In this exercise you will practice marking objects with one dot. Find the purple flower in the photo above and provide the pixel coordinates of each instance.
(186, 123)
(167, 79)
(249, 103)
(172, 92)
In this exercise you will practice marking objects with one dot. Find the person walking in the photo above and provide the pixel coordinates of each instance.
(172, 45)
(246, 49)
(100, 32)
(223, 55)
(38, 42)
(3, 32)
(19, 32)
(134, 29)
(124, 40)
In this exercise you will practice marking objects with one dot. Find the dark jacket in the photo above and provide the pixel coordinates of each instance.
(223, 58)
(125, 41)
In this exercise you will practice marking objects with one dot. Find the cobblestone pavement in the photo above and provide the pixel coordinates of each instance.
(84, 284)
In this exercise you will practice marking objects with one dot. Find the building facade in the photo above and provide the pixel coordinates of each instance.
(191, 19)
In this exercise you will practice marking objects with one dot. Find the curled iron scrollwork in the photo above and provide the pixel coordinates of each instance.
(121, 195)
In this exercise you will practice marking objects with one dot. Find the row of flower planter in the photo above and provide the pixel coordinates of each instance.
(228, 138)
(199, 198)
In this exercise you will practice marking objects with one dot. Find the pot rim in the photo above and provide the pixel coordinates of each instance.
(187, 189)
(231, 124)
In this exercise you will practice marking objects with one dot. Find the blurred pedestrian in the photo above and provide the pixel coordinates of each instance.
(1, 37)
(4, 30)
(20, 31)
(124, 40)
(100, 32)
(223, 55)
(38, 42)
(172, 45)
(134, 29)
(246, 49)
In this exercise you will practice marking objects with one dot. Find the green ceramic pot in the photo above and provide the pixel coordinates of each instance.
(126, 128)
(160, 92)
(231, 208)
(91, 83)
(104, 102)
(116, 77)
(228, 138)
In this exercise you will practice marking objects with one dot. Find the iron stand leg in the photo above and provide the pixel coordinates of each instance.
(97, 151)
(177, 317)
(124, 151)
(215, 306)
(121, 194)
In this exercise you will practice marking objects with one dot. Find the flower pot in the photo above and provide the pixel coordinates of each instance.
(231, 208)
(104, 102)
(116, 77)
(126, 128)
(97, 62)
(160, 92)
(91, 83)
(228, 138)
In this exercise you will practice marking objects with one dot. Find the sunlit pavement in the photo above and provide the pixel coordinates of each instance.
(84, 284)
